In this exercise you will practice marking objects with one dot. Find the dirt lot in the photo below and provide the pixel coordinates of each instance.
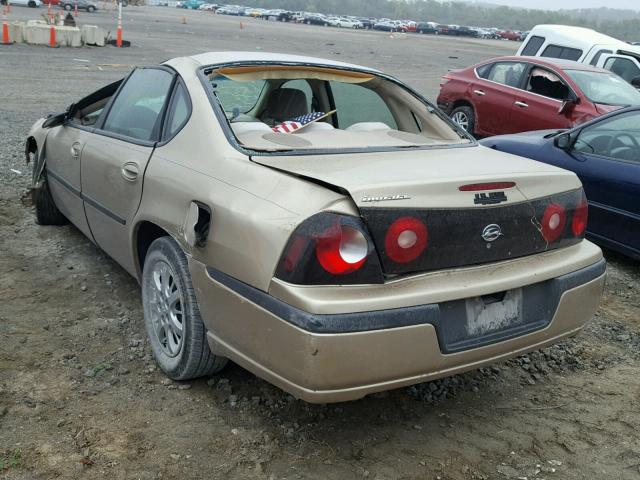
(80, 396)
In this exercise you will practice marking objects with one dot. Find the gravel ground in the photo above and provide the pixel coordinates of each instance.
(80, 396)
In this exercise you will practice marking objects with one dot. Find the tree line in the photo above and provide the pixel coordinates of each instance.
(461, 13)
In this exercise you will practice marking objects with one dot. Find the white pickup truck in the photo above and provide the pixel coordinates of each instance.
(585, 46)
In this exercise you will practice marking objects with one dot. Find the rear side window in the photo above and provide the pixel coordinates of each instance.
(507, 73)
(137, 109)
(597, 56)
(483, 71)
(178, 112)
(355, 104)
(565, 53)
(532, 46)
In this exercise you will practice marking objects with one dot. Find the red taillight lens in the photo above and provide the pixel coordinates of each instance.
(341, 249)
(580, 216)
(553, 222)
(330, 249)
(406, 239)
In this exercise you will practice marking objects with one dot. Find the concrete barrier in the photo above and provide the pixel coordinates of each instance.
(93, 35)
(36, 32)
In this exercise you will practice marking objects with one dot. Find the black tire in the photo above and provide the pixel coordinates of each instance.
(68, 7)
(91, 9)
(31, 4)
(467, 112)
(194, 358)
(46, 211)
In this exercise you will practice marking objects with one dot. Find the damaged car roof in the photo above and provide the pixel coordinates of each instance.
(216, 58)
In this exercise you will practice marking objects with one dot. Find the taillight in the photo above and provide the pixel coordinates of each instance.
(406, 239)
(341, 249)
(330, 249)
(553, 221)
(580, 216)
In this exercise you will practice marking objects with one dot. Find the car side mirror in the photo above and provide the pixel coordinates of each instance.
(58, 119)
(568, 103)
(55, 120)
(636, 82)
(564, 141)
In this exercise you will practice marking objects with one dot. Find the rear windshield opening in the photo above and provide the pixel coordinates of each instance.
(305, 107)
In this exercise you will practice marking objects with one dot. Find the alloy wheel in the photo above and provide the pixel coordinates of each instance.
(167, 309)
(461, 119)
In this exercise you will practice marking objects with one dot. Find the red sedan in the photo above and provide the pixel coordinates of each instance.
(518, 94)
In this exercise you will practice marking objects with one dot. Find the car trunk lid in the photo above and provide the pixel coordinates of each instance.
(441, 188)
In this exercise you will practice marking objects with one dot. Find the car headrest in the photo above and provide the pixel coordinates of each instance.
(285, 104)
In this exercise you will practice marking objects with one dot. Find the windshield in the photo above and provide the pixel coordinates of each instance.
(278, 107)
(605, 88)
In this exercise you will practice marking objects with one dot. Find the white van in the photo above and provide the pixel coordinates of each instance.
(581, 45)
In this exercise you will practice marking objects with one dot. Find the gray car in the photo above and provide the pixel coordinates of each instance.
(69, 5)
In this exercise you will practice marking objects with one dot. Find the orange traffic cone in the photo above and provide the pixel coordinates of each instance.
(241, 26)
(52, 37)
(119, 31)
(5, 30)
(75, 8)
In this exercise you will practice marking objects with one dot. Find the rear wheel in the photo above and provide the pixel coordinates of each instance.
(68, 7)
(175, 329)
(91, 9)
(465, 117)
(32, 4)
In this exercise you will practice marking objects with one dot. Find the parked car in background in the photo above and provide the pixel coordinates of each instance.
(316, 19)
(387, 232)
(26, 3)
(409, 25)
(367, 23)
(278, 15)
(390, 26)
(86, 5)
(347, 23)
(427, 27)
(517, 94)
(605, 154)
(445, 29)
(510, 35)
(463, 31)
(190, 4)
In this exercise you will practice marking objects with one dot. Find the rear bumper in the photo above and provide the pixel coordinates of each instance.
(344, 356)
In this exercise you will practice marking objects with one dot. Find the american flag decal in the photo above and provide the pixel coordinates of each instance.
(298, 122)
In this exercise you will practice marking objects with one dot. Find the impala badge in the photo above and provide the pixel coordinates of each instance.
(384, 198)
(491, 232)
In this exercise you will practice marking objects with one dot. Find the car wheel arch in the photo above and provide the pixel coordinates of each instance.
(31, 147)
(145, 232)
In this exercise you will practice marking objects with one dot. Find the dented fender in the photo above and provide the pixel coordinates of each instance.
(36, 142)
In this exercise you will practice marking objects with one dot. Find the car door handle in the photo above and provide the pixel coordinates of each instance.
(522, 104)
(130, 171)
(76, 148)
(479, 92)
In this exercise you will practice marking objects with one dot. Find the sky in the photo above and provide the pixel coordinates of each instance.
(568, 4)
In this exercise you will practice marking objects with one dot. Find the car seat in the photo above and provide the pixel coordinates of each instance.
(284, 104)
